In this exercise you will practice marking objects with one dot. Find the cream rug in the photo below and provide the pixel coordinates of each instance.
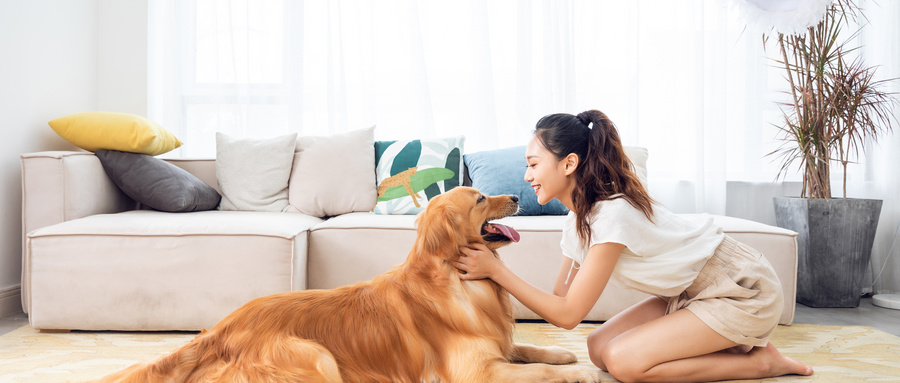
(837, 353)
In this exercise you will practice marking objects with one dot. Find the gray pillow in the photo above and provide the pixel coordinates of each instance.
(157, 183)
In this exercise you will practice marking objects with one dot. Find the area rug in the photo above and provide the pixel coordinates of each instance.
(837, 353)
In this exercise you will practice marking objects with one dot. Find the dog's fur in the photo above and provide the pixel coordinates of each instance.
(416, 323)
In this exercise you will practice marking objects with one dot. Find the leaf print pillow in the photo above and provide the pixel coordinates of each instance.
(410, 173)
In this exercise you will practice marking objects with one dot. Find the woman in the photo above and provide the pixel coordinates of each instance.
(716, 301)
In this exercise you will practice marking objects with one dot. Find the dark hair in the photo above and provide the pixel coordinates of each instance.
(603, 169)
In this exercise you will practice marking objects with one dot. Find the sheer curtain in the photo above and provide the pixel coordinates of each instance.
(877, 175)
(683, 79)
(676, 77)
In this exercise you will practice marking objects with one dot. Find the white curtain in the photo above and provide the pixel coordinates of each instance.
(681, 78)
(877, 175)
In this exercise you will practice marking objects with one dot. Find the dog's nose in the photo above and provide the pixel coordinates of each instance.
(514, 198)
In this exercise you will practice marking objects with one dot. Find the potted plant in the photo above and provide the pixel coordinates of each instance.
(836, 107)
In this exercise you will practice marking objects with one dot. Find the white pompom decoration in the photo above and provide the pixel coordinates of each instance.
(790, 17)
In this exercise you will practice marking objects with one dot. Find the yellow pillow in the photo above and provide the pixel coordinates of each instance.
(115, 131)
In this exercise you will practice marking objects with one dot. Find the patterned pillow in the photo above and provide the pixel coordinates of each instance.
(410, 173)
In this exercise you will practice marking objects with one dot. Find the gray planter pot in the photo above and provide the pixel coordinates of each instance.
(834, 246)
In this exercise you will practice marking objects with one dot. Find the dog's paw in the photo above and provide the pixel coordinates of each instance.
(559, 355)
(583, 374)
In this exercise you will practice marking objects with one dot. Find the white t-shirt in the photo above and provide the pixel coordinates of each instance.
(662, 257)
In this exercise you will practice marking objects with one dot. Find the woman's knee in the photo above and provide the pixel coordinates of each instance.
(620, 362)
(596, 342)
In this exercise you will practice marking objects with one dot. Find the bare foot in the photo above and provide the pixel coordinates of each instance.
(778, 364)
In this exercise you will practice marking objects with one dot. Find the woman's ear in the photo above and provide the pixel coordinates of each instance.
(571, 163)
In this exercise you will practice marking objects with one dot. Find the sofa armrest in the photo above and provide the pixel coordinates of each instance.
(61, 186)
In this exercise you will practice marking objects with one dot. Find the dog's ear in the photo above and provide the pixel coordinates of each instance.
(441, 230)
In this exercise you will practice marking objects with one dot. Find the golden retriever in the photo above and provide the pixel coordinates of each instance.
(416, 323)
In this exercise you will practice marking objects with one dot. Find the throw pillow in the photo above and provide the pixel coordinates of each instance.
(125, 132)
(333, 175)
(253, 173)
(638, 157)
(502, 171)
(157, 183)
(410, 173)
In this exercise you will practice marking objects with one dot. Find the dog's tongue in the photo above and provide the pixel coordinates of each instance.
(509, 232)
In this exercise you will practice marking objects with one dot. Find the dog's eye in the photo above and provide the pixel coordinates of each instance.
(481, 198)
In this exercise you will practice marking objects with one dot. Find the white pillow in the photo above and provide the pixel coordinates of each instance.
(638, 156)
(253, 173)
(334, 175)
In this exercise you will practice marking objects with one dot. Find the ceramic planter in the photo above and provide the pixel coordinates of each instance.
(834, 246)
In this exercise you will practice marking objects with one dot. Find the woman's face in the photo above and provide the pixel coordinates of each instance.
(547, 175)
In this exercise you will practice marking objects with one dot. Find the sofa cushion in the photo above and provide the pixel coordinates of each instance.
(150, 270)
(156, 183)
(333, 175)
(369, 221)
(410, 173)
(253, 174)
(148, 223)
(341, 259)
(115, 131)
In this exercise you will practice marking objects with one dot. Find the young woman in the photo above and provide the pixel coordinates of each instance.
(716, 301)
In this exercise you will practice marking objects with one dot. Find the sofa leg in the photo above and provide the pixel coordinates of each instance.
(53, 331)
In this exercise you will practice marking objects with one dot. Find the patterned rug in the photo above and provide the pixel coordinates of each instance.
(837, 353)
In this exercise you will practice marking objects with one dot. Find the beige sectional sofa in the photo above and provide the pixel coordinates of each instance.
(92, 261)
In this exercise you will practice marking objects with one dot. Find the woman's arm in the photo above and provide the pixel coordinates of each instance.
(564, 278)
(563, 311)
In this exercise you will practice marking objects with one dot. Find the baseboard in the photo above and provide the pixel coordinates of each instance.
(10, 301)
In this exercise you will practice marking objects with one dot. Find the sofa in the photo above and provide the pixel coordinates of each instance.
(94, 259)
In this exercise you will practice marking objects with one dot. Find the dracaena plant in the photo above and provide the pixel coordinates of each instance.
(836, 104)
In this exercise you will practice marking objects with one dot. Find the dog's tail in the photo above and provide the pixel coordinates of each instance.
(286, 359)
(283, 359)
(176, 366)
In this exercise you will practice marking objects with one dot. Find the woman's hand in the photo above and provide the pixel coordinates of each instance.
(476, 262)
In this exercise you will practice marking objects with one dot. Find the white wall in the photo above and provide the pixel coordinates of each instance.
(122, 56)
(59, 57)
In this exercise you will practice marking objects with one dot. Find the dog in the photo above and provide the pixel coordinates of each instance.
(416, 323)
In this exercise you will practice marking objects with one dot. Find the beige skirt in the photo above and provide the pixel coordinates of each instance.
(737, 294)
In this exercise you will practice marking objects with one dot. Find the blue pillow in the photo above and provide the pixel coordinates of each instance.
(502, 171)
